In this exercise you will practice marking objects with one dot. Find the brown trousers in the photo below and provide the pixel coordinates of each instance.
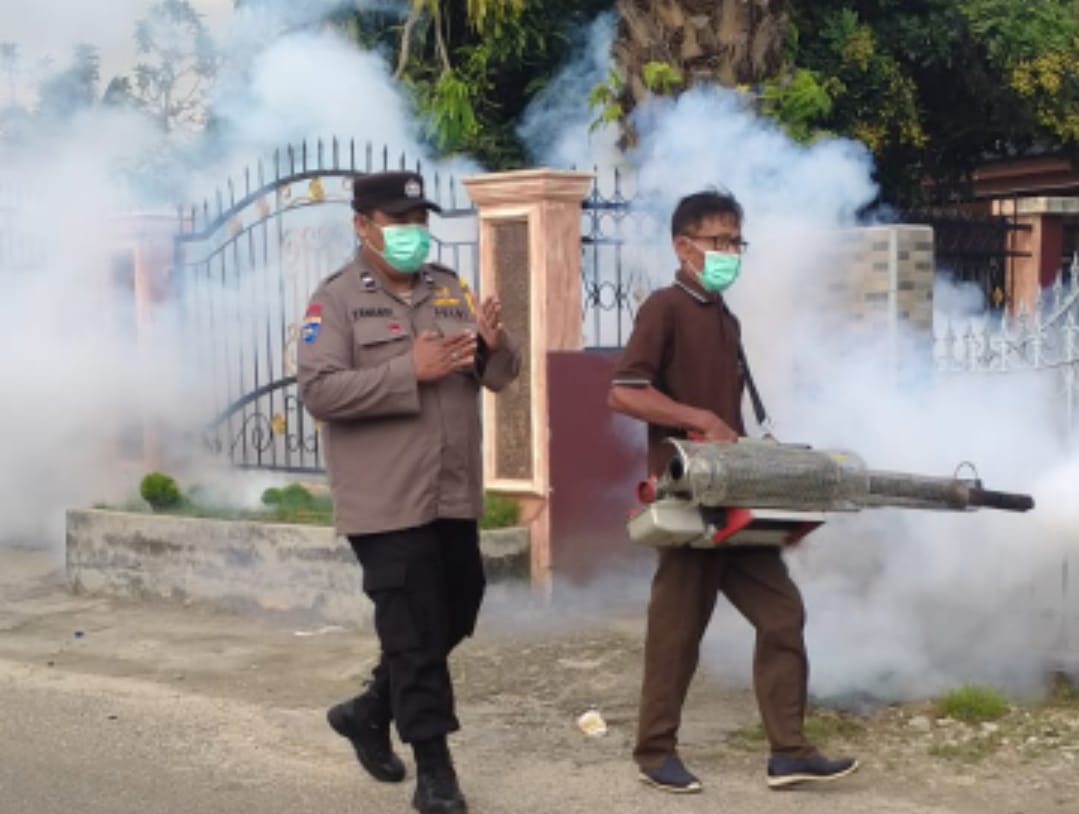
(684, 592)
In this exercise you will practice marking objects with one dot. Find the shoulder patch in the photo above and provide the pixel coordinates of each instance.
(312, 323)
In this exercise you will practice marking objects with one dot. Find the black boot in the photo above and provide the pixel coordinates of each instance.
(365, 721)
(437, 791)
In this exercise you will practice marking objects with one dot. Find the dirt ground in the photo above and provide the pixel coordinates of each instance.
(522, 683)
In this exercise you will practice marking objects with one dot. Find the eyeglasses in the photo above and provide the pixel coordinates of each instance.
(722, 243)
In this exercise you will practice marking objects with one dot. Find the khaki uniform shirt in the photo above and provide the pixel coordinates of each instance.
(685, 344)
(399, 453)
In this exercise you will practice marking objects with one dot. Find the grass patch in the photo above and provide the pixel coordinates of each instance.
(499, 512)
(1062, 692)
(819, 728)
(974, 750)
(824, 728)
(749, 737)
(291, 504)
(973, 704)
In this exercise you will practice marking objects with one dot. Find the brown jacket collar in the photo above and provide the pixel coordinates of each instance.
(692, 286)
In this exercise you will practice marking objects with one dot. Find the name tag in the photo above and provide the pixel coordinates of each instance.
(372, 313)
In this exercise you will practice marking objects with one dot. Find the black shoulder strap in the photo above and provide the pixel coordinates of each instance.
(754, 396)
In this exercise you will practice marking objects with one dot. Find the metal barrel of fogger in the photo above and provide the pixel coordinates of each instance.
(765, 474)
(922, 492)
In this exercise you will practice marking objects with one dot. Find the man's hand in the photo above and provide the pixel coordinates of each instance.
(489, 322)
(713, 428)
(435, 357)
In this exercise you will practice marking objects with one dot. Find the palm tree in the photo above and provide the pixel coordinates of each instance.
(733, 42)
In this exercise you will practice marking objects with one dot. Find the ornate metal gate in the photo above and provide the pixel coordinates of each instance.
(245, 265)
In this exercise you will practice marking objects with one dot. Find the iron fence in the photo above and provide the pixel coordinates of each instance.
(973, 248)
(1044, 339)
(619, 238)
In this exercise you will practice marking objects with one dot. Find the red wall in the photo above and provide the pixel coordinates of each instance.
(1051, 250)
(597, 459)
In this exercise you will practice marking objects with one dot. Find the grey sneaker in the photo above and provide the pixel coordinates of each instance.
(784, 772)
(672, 776)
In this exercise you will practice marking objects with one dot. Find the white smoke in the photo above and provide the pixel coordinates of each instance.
(900, 604)
(83, 390)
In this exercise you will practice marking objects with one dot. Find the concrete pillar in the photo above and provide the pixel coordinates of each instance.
(530, 254)
(889, 279)
(1044, 243)
(139, 278)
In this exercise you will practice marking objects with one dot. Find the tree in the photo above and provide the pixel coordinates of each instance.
(933, 87)
(473, 66)
(72, 90)
(671, 45)
(177, 63)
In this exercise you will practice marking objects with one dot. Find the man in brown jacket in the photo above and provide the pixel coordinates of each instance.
(392, 357)
(683, 372)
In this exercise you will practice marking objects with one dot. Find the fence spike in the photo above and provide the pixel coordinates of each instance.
(385, 157)
(352, 154)
(303, 155)
(247, 181)
(261, 175)
(334, 158)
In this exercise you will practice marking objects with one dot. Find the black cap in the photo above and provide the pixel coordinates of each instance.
(394, 193)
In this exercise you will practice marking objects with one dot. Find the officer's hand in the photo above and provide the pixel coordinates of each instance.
(460, 351)
(435, 357)
(715, 429)
(489, 321)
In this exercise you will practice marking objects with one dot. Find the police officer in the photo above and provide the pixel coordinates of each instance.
(393, 353)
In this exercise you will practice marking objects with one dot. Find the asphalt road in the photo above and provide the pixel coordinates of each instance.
(121, 708)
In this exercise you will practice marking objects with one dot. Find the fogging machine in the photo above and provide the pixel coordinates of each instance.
(762, 492)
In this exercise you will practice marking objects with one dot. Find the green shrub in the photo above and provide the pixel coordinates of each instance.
(295, 504)
(160, 491)
(499, 512)
(973, 704)
(271, 497)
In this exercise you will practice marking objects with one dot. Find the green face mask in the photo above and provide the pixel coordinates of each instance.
(720, 271)
(407, 246)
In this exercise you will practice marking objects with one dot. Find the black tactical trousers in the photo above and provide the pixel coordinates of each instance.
(427, 586)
